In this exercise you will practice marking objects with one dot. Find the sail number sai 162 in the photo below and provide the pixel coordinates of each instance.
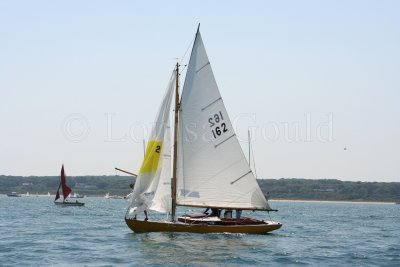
(217, 120)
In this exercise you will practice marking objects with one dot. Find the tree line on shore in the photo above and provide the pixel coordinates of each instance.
(284, 188)
(330, 189)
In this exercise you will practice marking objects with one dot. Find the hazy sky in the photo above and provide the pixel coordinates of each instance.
(317, 82)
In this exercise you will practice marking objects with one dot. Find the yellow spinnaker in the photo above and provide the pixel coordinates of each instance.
(152, 157)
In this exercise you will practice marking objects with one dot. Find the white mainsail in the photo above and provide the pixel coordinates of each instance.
(212, 169)
(154, 175)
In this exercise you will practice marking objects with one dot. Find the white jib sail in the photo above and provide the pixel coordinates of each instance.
(212, 169)
(155, 169)
(162, 198)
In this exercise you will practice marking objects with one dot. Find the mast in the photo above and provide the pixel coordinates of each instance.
(175, 156)
(173, 193)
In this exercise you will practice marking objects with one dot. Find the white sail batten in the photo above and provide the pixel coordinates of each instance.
(152, 188)
(212, 169)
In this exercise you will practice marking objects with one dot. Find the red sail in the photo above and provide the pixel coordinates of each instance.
(65, 188)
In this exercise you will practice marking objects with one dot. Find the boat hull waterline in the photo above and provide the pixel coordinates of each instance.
(14, 194)
(79, 204)
(138, 226)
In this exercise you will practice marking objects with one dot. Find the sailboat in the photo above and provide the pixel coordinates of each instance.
(66, 191)
(75, 195)
(209, 168)
(108, 196)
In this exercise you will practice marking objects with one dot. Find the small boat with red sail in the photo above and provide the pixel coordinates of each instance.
(66, 191)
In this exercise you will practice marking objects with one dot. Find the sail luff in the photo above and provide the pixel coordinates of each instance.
(248, 135)
(58, 192)
(176, 127)
(173, 193)
(190, 60)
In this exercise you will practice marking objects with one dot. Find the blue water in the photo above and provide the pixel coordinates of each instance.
(35, 232)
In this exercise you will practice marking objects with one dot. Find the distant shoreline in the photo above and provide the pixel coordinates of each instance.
(334, 201)
(289, 190)
(271, 200)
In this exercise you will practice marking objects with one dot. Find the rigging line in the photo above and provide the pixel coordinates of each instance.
(181, 71)
(254, 161)
(187, 49)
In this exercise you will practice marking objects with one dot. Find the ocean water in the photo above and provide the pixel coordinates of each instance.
(35, 232)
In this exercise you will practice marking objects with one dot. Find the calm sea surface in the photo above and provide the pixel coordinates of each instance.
(35, 232)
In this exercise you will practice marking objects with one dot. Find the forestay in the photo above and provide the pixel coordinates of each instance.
(152, 188)
(212, 169)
